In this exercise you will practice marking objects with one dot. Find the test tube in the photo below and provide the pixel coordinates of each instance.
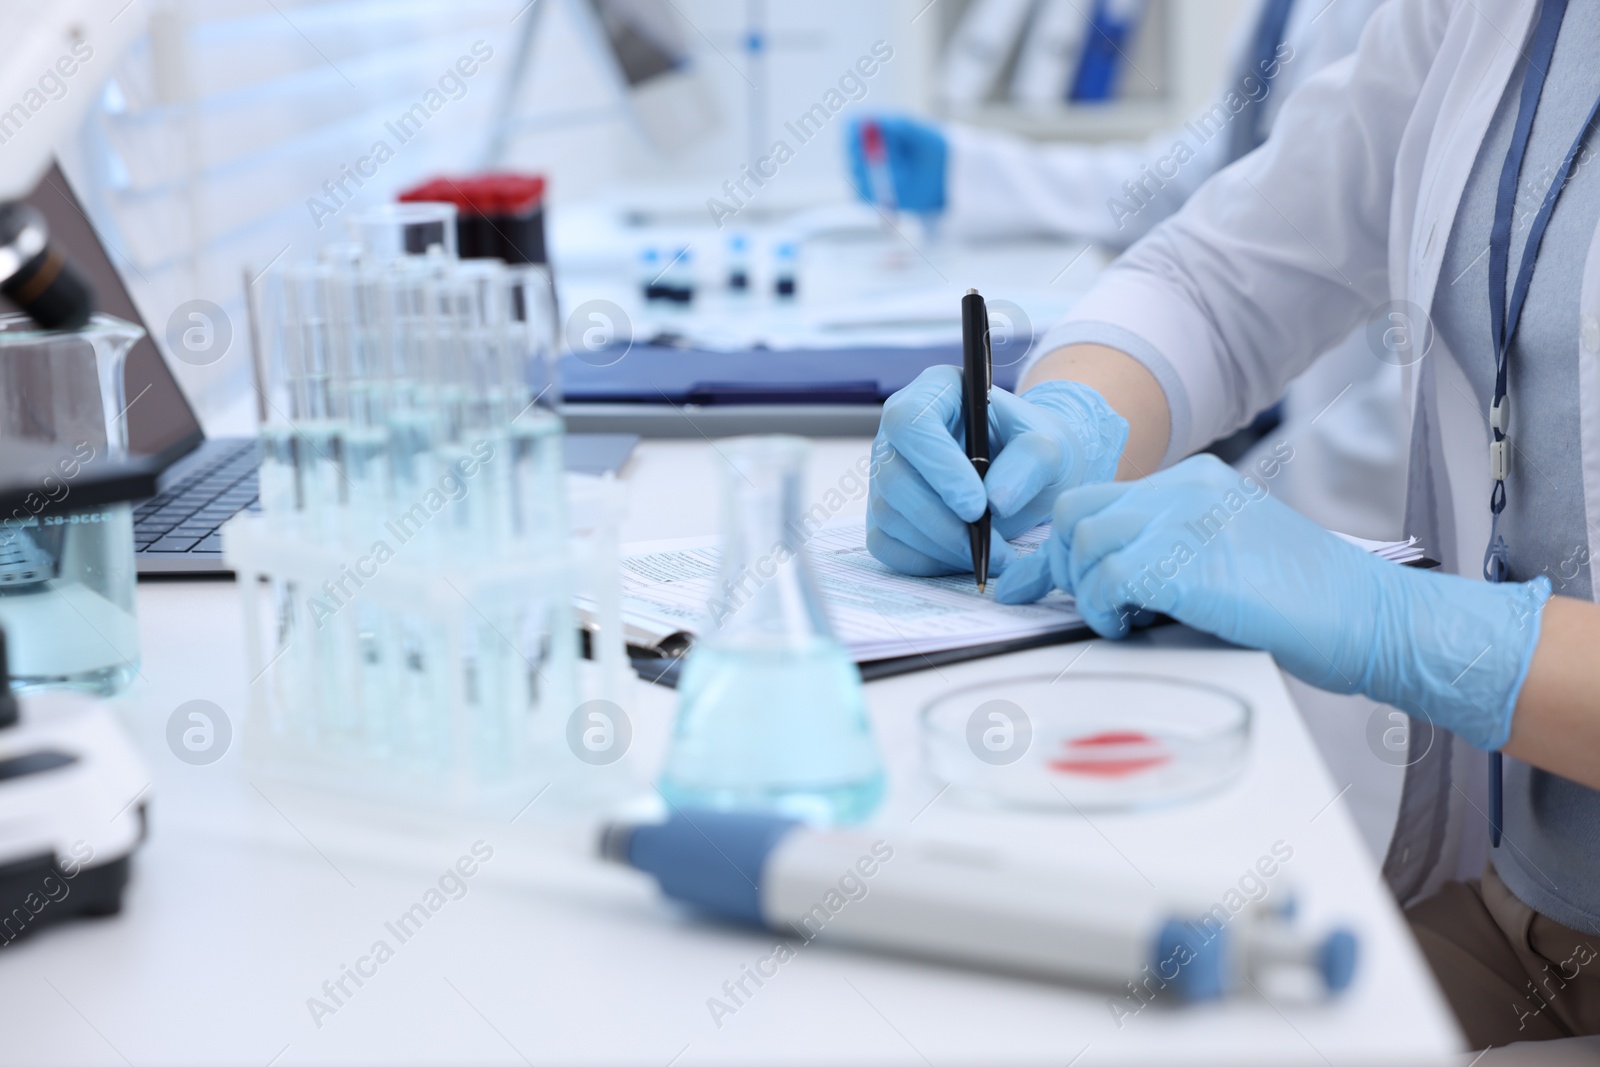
(277, 405)
(391, 231)
(786, 271)
(276, 395)
(402, 298)
(342, 483)
(535, 322)
(365, 636)
(535, 472)
(411, 646)
(738, 265)
(481, 316)
(298, 478)
(316, 445)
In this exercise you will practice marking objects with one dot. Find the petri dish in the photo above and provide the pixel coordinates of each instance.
(1086, 741)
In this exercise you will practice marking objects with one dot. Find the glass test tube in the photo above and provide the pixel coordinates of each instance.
(278, 394)
(392, 231)
(535, 472)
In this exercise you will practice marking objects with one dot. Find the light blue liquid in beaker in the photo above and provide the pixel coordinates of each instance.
(771, 713)
(781, 730)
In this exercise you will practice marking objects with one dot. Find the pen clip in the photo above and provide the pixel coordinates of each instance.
(988, 352)
(975, 343)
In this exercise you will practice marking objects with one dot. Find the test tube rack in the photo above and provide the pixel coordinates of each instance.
(420, 546)
(445, 680)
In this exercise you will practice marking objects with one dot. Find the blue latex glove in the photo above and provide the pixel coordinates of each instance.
(1212, 549)
(925, 490)
(917, 154)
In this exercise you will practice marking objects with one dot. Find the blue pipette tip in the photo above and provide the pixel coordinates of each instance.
(1192, 960)
(1337, 960)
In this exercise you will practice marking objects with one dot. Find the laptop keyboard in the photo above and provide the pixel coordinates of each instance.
(22, 562)
(186, 517)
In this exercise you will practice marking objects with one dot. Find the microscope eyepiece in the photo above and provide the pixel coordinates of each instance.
(35, 274)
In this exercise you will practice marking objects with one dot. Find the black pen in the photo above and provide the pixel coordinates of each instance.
(977, 376)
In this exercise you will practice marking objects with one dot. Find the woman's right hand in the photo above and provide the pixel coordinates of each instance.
(1056, 436)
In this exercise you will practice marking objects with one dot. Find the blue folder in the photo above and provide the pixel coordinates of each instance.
(655, 374)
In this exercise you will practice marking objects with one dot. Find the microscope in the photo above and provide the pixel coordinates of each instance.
(72, 808)
(53, 59)
(72, 784)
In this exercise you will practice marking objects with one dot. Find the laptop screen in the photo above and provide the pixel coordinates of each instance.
(160, 421)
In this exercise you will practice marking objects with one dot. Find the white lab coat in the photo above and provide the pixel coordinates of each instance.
(1349, 205)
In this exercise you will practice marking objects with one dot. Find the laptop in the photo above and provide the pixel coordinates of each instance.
(204, 481)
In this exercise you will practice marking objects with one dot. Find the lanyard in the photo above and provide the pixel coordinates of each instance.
(1503, 317)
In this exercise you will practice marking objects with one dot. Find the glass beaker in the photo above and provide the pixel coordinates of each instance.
(771, 713)
(67, 574)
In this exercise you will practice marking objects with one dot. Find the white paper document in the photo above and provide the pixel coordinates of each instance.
(876, 612)
(1407, 551)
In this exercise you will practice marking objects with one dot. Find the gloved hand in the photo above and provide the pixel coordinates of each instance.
(1212, 549)
(925, 490)
(917, 154)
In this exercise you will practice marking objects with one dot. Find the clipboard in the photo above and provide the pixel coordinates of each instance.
(663, 670)
(661, 663)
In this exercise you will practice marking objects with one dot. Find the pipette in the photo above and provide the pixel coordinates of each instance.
(971, 905)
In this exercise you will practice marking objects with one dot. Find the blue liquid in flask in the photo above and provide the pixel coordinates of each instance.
(771, 713)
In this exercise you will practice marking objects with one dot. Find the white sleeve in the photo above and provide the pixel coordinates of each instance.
(1278, 256)
(1001, 185)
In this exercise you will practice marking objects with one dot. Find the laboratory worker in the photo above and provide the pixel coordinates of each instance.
(1445, 174)
(1344, 420)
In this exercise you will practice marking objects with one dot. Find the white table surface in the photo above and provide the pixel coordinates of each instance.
(249, 895)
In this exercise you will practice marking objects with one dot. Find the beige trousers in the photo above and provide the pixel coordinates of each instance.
(1509, 973)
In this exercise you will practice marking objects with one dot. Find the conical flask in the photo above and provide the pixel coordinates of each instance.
(771, 714)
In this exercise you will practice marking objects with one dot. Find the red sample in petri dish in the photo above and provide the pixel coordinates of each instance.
(1111, 754)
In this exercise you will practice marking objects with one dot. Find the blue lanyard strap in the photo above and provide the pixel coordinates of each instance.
(1503, 321)
(1503, 318)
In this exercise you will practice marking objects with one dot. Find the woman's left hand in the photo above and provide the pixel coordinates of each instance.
(1212, 549)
